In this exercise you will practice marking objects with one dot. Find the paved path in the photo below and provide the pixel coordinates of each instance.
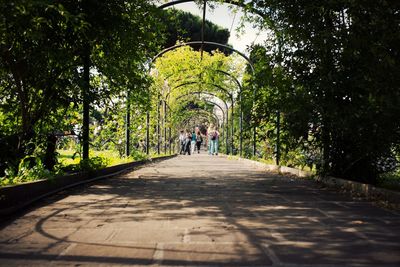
(202, 210)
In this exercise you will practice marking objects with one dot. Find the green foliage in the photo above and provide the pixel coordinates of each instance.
(42, 49)
(390, 180)
(137, 155)
(30, 169)
(93, 163)
(192, 84)
(331, 69)
(183, 26)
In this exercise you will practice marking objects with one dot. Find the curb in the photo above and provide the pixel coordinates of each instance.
(16, 197)
(278, 169)
(388, 198)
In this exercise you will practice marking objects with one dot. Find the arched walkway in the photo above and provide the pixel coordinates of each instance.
(202, 210)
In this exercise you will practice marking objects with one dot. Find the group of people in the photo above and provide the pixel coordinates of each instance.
(189, 141)
(192, 140)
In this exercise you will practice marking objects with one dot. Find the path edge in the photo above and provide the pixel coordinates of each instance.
(16, 197)
(385, 197)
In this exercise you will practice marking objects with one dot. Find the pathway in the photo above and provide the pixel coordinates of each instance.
(202, 210)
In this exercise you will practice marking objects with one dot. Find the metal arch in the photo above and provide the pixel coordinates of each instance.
(204, 116)
(216, 70)
(177, 2)
(212, 114)
(201, 116)
(232, 77)
(204, 111)
(230, 2)
(240, 103)
(252, 69)
(225, 117)
(206, 93)
(240, 112)
(205, 42)
(223, 113)
(232, 112)
(208, 101)
(217, 86)
(202, 42)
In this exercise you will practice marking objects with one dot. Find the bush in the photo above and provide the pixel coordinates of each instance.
(138, 155)
(30, 169)
(90, 164)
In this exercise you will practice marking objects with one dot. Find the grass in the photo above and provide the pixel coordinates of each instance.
(390, 180)
(272, 162)
(69, 157)
(70, 161)
(267, 161)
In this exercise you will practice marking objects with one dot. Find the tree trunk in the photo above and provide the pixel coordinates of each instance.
(50, 158)
(86, 103)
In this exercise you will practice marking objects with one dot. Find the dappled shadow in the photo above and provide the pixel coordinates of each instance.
(197, 211)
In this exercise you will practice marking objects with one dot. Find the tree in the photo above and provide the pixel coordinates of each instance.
(46, 48)
(181, 72)
(342, 59)
(183, 26)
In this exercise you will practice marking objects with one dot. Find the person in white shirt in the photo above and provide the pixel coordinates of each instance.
(182, 138)
(193, 142)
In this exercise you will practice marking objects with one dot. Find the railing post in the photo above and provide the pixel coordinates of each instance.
(128, 125)
(254, 124)
(86, 103)
(227, 133)
(158, 125)
(165, 127)
(278, 133)
(148, 132)
(232, 127)
(241, 126)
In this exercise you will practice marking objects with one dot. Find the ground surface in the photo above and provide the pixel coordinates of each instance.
(202, 210)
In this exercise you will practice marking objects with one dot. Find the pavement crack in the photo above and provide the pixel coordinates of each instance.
(158, 256)
(186, 236)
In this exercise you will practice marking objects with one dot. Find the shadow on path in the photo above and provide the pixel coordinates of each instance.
(202, 210)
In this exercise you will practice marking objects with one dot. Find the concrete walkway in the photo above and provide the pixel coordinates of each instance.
(202, 210)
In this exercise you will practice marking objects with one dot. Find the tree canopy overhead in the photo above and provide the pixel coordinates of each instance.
(184, 26)
(43, 48)
(332, 69)
(183, 71)
(326, 83)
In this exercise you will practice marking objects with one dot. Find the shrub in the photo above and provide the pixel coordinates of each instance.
(30, 169)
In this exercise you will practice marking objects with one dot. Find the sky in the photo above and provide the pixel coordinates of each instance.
(226, 18)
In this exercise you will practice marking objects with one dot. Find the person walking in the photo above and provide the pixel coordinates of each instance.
(214, 136)
(188, 140)
(216, 144)
(142, 145)
(193, 142)
(210, 134)
(199, 140)
(182, 139)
